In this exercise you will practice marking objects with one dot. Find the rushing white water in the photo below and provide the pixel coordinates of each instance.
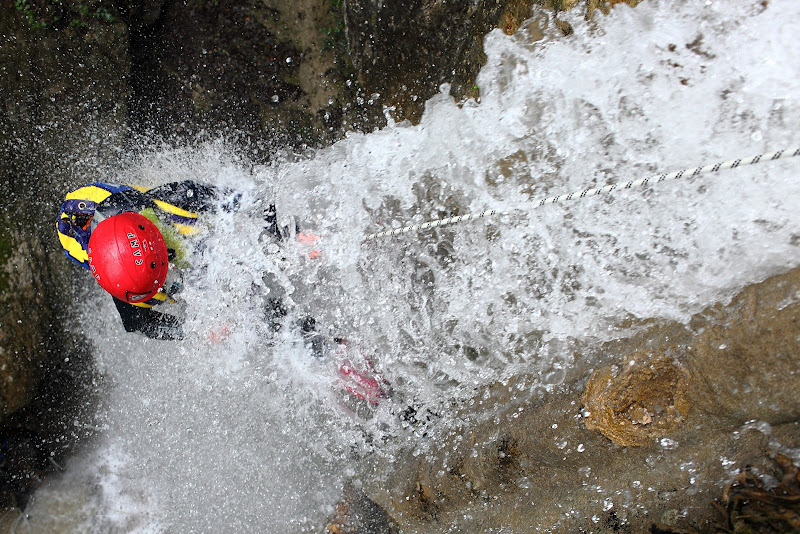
(245, 435)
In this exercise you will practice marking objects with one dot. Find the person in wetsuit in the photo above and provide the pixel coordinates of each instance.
(140, 232)
(171, 214)
(127, 237)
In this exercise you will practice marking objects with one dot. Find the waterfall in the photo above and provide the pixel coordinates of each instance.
(252, 433)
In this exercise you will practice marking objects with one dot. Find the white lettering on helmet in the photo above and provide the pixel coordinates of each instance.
(134, 243)
(137, 252)
(139, 261)
(131, 235)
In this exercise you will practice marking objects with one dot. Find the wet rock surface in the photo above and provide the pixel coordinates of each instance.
(265, 72)
(396, 47)
(356, 513)
(49, 129)
(684, 408)
(301, 74)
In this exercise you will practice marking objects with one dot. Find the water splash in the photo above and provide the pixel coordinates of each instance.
(250, 435)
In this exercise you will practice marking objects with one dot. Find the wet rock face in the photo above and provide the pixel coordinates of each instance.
(734, 363)
(20, 359)
(357, 514)
(301, 74)
(745, 358)
(270, 73)
(50, 132)
(200, 65)
(397, 47)
(631, 445)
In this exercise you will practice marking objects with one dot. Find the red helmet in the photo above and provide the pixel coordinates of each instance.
(128, 257)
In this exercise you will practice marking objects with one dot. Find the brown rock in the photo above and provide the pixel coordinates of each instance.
(744, 358)
(686, 404)
(645, 401)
